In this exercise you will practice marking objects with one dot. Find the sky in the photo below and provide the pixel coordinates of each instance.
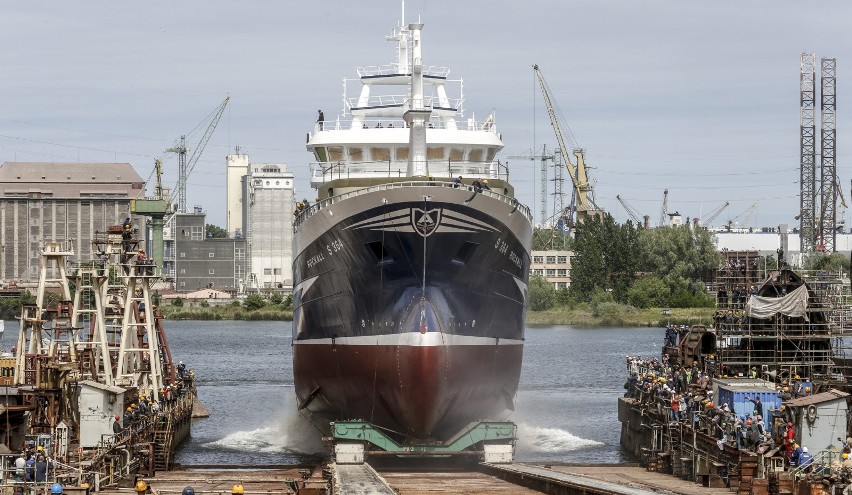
(700, 97)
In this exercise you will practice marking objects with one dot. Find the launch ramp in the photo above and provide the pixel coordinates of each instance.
(359, 479)
(493, 441)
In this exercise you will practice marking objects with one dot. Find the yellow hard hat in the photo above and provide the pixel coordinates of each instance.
(485, 181)
(129, 409)
(141, 486)
(141, 397)
(133, 406)
(238, 489)
(39, 448)
(845, 455)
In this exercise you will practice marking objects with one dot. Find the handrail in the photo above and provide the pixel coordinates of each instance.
(316, 207)
(321, 172)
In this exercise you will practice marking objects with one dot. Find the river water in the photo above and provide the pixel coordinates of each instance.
(566, 408)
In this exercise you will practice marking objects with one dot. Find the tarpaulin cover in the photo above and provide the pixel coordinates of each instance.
(793, 304)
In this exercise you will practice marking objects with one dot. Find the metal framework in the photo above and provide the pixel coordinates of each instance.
(828, 165)
(807, 155)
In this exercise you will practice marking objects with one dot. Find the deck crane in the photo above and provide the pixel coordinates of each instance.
(714, 214)
(579, 178)
(185, 166)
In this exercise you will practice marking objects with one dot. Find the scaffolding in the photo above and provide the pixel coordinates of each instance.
(812, 345)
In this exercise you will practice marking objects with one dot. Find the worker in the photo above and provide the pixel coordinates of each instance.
(238, 489)
(141, 487)
(116, 425)
(320, 119)
(789, 439)
(485, 185)
(457, 182)
(795, 455)
(56, 489)
(805, 459)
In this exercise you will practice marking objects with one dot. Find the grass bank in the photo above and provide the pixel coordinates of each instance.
(619, 315)
(226, 312)
(602, 315)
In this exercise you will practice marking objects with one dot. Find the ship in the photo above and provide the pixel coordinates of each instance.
(411, 267)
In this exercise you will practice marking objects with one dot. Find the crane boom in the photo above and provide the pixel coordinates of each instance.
(187, 165)
(630, 210)
(579, 178)
(715, 213)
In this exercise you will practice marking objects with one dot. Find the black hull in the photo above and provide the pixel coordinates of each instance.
(411, 314)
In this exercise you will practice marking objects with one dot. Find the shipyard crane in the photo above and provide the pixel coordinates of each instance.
(665, 210)
(543, 157)
(747, 214)
(186, 165)
(579, 178)
(630, 211)
(714, 214)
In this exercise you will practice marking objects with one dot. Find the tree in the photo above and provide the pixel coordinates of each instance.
(605, 257)
(214, 232)
(826, 261)
(254, 301)
(681, 257)
(648, 292)
(541, 295)
(551, 239)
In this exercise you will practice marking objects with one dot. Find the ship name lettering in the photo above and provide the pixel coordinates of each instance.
(334, 247)
(315, 259)
(501, 246)
(515, 258)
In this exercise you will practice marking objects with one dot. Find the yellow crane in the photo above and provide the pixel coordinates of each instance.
(579, 177)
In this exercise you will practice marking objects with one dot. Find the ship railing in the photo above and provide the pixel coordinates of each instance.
(322, 172)
(436, 122)
(378, 101)
(393, 70)
(307, 212)
(826, 462)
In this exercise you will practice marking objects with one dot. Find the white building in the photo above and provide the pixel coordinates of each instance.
(555, 266)
(268, 202)
(237, 168)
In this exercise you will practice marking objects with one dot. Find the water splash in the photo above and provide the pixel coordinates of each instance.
(292, 434)
(541, 440)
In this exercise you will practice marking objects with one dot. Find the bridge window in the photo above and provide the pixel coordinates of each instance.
(335, 154)
(475, 155)
(380, 154)
(356, 154)
(402, 153)
(435, 153)
(456, 154)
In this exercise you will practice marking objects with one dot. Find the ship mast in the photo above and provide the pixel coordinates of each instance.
(417, 113)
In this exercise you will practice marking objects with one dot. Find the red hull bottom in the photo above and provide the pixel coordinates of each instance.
(420, 391)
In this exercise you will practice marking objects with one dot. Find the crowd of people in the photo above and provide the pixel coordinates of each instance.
(685, 395)
(144, 413)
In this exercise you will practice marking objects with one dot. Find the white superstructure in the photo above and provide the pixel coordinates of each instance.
(373, 136)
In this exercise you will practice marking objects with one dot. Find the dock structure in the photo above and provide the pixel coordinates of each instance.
(734, 404)
(94, 387)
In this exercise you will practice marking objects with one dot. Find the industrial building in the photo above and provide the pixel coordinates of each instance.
(267, 223)
(59, 201)
(206, 262)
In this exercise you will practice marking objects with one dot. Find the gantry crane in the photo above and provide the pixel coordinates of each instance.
(579, 178)
(185, 166)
